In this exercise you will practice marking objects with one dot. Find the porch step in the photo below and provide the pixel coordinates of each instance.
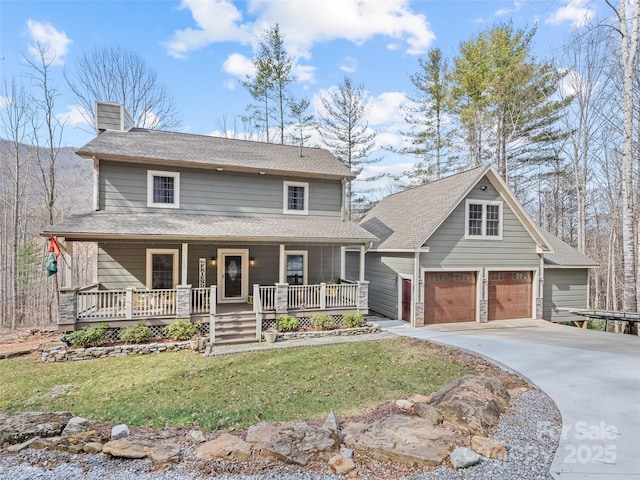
(235, 328)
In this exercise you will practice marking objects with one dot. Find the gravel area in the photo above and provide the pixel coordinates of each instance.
(531, 428)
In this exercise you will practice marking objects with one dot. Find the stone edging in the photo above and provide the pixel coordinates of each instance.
(340, 332)
(63, 354)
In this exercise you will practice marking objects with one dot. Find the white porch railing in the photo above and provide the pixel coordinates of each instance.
(101, 304)
(303, 296)
(266, 299)
(200, 299)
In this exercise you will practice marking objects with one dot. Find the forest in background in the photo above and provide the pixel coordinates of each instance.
(564, 133)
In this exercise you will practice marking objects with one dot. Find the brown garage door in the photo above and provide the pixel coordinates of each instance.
(509, 295)
(449, 297)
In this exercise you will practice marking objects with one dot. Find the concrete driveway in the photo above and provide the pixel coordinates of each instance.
(593, 377)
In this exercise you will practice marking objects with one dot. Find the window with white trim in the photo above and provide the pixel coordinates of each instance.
(296, 198)
(483, 219)
(163, 189)
(162, 268)
(296, 264)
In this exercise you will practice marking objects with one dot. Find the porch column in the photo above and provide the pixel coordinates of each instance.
(213, 295)
(282, 298)
(68, 264)
(68, 309)
(183, 301)
(363, 296)
(362, 252)
(282, 267)
(185, 259)
(343, 262)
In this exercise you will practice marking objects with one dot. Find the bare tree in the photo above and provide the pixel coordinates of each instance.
(15, 118)
(627, 24)
(116, 74)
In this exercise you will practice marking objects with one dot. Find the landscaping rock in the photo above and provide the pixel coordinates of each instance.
(20, 427)
(225, 447)
(341, 465)
(424, 410)
(18, 447)
(472, 404)
(332, 425)
(463, 457)
(164, 453)
(418, 398)
(402, 439)
(489, 448)
(92, 447)
(296, 443)
(346, 452)
(196, 436)
(404, 404)
(124, 448)
(75, 425)
(119, 431)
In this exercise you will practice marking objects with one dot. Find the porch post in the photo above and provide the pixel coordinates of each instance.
(213, 296)
(257, 308)
(282, 298)
(185, 258)
(363, 296)
(343, 262)
(281, 264)
(68, 270)
(362, 251)
(183, 302)
(323, 296)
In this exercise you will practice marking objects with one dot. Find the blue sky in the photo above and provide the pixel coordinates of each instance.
(201, 49)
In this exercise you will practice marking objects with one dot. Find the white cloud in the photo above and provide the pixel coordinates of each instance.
(75, 116)
(575, 11)
(508, 10)
(55, 44)
(386, 108)
(304, 73)
(4, 102)
(230, 84)
(349, 65)
(239, 66)
(148, 120)
(303, 24)
(216, 20)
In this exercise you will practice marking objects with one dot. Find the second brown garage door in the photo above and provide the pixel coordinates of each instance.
(509, 295)
(449, 297)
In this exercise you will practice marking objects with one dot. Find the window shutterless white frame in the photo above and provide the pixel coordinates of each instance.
(483, 235)
(285, 198)
(305, 263)
(150, 253)
(151, 174)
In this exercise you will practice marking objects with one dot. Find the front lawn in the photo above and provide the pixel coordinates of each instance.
(182, 389)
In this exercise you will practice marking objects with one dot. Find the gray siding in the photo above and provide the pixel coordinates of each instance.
(382, 270)
(352, 265)
(564, 287)
(123, 187)
(124, 264)
(449, 249)
(112, 117)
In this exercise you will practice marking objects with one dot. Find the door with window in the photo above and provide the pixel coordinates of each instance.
(233, 276)
(296, 264)
(162, 268)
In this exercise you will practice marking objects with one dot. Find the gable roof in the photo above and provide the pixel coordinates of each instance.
(170, 148)
(405, 220)
(97, 226)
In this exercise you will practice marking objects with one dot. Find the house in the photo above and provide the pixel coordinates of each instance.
(226, 231)
(463, 249)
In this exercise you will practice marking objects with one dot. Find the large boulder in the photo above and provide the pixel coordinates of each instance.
(402, 439)
(21, 427)
(125, 448)
(472, 404)
(296, 443)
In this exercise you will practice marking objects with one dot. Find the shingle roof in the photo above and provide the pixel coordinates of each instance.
(403, 220)
(565, 255)
(159, 147)
(95, 226)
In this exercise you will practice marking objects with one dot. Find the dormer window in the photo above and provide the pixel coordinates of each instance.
(296, 198)
(163, 189)
(483, 219)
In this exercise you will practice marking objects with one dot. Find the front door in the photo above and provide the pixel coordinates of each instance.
(406, 300)
(233, 276)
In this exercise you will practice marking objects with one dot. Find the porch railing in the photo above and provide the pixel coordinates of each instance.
(266, 299)
(200, 299)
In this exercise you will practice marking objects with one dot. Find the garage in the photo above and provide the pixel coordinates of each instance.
(509, 295)
(449, 297)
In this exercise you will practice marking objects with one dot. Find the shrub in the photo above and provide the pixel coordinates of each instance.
(139, 333)
(287, 323)
(353, 320)
(88, 336)
(323, 321)
(181, 329)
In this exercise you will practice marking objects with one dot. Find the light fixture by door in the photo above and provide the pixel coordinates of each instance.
(213, 261)
(252, 261)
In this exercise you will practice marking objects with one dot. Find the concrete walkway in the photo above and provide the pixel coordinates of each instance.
(593, 377)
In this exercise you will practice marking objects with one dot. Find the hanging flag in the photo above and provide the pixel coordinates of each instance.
(52, 257)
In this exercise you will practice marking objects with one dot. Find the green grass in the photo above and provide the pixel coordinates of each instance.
(181, 389)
